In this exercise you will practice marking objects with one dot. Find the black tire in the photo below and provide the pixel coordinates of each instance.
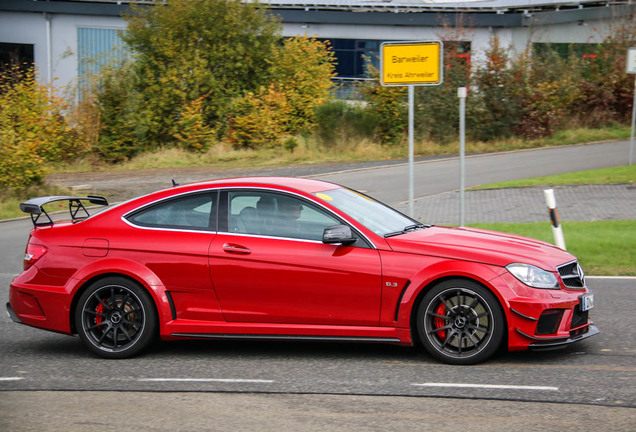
(460, 322)
(115, 318)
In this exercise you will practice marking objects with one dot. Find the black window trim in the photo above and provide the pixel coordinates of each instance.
(224, 210)
(212, 223)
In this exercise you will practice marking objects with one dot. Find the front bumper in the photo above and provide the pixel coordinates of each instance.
(544, 344)
(543, 319)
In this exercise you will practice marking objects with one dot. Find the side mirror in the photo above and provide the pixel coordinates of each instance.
(338, 234)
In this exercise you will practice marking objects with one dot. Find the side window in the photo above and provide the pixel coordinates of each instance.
(197, 212)
(278, 215)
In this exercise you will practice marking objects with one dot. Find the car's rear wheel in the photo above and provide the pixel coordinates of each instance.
(115, 318)
(460, 322)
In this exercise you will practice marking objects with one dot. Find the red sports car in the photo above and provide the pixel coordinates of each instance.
(291, 259)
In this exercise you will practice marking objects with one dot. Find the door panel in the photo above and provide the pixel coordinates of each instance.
(277, 280)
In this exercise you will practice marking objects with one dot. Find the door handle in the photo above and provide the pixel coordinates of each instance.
(236, 249)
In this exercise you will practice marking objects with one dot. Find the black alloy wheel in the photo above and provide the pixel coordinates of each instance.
(115, 318)
(460, 322)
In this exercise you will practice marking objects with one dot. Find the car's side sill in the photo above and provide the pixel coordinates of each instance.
(287, 337)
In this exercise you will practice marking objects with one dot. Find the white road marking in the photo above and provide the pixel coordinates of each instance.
(611, 277)
(10, 378)
(487, 386)
(221, 380)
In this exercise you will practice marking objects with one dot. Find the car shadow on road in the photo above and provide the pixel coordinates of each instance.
(302, 351)
(64, 347)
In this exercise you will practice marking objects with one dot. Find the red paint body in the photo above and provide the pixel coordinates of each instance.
(222, 283)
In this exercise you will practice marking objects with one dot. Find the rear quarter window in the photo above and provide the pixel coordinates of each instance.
(194, 211)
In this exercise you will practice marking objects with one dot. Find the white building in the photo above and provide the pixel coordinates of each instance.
(68, 38)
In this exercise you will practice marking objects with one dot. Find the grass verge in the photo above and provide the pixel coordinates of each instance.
(615, 175)
(605, 248)
(311, 151)
(10, 200)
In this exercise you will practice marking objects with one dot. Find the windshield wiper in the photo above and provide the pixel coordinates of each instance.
(406, 229)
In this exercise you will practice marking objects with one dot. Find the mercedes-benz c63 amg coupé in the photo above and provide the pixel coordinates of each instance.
(284, 259)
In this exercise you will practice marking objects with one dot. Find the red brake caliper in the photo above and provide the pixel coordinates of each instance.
(100, 309)
(440, 322)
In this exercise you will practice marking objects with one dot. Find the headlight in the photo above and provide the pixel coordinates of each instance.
(533, 276)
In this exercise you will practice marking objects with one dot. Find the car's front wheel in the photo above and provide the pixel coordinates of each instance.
(115, 318)
(460, 322)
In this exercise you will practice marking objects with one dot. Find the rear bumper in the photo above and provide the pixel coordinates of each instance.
(45, 307)
(12, 314)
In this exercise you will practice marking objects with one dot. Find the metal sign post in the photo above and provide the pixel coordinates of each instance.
(409, 64)
(462, 93)
(411, 150)
(631, 69)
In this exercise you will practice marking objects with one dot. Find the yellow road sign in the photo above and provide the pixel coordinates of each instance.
(411, 63)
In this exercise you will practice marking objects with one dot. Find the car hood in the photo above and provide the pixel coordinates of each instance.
(471, 244)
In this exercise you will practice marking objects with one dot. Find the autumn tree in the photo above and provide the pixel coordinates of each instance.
(303, 68)
(33, 129)
(300, 81)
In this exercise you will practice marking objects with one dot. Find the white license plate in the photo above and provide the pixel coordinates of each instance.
(587, 301)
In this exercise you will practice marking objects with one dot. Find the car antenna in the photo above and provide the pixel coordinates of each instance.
(174, 183)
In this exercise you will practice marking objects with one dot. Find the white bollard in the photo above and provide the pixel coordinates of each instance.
(557, 231)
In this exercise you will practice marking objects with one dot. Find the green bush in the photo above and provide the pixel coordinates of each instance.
(339, 122)
(606, 90)
(388, 106)
(259, 120)
(437, 107)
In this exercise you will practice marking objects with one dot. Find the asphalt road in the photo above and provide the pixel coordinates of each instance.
(50, 382)
(386, 181)
(390, 183)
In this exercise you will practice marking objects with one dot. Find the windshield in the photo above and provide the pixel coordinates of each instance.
(374, 215)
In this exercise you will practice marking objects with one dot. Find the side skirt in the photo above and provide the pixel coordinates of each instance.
(287, 337)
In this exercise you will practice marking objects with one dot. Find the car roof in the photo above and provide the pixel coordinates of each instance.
(301, 184)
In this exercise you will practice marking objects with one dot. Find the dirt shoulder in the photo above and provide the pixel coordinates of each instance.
(123, 185)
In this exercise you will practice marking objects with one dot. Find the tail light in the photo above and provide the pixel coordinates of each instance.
(33, 253)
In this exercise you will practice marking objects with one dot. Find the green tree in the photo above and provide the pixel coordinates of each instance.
(185, 49)
(117, 102)
(498, 95)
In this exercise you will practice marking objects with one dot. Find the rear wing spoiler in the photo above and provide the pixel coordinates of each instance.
(35, 207)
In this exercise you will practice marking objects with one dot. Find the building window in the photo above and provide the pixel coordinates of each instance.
(350, 55)
(16, 54)
(585, 51)
(97, 47)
